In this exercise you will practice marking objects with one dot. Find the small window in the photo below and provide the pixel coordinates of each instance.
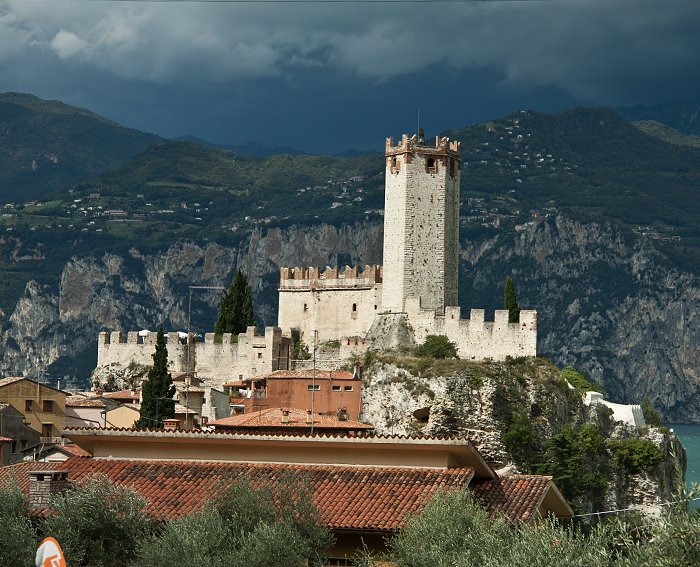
(306, 308)
(348, 388)
(393, 162)
(47, 406)
(375, 307)
(313, 387)
(354, 307)
(335, 388)
(28, 405)
(259, 355)
(46, 429)
(431, 162)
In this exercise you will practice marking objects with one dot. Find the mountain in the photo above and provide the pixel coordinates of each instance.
(683, 117)
(593, 219)
(247, 149)
(667, 134)
(47, 145)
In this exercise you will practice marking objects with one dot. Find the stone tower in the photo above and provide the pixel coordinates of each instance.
(421, 223)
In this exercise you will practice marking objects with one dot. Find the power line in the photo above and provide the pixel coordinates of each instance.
(619, 510)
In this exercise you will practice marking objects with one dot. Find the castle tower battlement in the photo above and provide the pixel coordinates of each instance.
(351, 277)
(421, 223)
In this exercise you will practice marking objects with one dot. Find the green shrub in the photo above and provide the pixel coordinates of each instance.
(651, 415)
(99, 523)
(579, 381)
(437, 346)
(522, 442)
(635, 455)
(17, 541)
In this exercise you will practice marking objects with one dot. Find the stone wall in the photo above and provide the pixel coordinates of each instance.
(214, 362)
(334, 302)
(477, 339)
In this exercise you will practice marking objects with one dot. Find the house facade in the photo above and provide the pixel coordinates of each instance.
(43, 407)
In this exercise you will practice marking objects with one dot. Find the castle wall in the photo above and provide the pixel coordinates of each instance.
(213, 362)
(477, 339)
(334, 302)
(421, 223)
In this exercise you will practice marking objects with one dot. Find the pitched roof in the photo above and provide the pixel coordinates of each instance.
(80, 401)
(12, 379)
(307, 374)
(123, 394)
(515, 496)
(272, 417)
(348, 497)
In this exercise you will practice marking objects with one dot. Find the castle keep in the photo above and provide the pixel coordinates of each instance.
(418, 284)
(416, 289)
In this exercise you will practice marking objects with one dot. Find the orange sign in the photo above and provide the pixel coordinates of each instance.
(49, 554)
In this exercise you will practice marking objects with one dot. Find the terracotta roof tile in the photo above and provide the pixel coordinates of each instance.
(272, 417)
(123, 394)
(515, 496)
(6, 440)
(10, 380)
(348, 497)
(79, 401)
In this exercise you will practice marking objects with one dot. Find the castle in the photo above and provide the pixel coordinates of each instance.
(413, 295)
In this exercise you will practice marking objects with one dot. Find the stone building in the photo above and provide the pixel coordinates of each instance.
(417, 287)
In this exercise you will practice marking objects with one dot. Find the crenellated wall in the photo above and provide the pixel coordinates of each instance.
(476, 338)
(334, 302)
(214, 362)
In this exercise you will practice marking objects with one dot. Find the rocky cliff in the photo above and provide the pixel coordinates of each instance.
(609, 303)
(523, 417)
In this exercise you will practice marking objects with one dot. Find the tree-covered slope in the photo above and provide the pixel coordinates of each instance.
(47, 145)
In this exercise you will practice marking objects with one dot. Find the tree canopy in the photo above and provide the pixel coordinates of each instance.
(510, 301)
(437, 346)
(236, 307)
(158, 390)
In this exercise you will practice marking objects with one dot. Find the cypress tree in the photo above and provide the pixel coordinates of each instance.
(510, 302)
(236, 307)
(158, 389)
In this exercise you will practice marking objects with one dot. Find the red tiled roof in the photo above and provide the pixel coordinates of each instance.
(123, 394)
(348, 497)
(272, 417)
(75, 450)
(515, 496)
(307, 374)
(79, 401)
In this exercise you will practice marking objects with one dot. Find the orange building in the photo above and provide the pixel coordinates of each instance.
(324, 392)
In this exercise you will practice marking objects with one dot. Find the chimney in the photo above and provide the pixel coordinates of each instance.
(357, 372)
(171, 424)
(45, 484)
(285, 416)
(309, 417)
(343, 414)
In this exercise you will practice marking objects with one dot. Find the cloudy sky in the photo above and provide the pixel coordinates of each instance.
(327, 76)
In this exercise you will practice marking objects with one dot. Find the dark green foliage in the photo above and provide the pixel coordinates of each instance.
(635, 455)
(99, 523)
(510, 302)
(522, 441)
(236, 308)
(651, 415)
(158, 389)
(300, 348)
(17, 539)
(453, 530)
(579, 381)
(248, 525)
(578, 460)
(437, 346)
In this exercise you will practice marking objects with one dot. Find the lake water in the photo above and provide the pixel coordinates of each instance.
(690, 437)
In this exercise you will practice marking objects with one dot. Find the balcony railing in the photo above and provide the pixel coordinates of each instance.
(52, 440)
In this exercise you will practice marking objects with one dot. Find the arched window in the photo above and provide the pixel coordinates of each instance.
(354, 307)
(306, 308)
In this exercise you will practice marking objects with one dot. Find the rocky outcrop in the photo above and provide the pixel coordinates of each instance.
(409, 396)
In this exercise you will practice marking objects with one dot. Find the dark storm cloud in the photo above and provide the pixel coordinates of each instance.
(607, 52)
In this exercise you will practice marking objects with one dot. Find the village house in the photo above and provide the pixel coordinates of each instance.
(364, 486)
(13, 426)
(43, 407)
(324, 392)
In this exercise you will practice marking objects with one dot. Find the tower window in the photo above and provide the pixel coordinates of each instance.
(394, 165)
(306, 308)
(430, 165)
(354, 307)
